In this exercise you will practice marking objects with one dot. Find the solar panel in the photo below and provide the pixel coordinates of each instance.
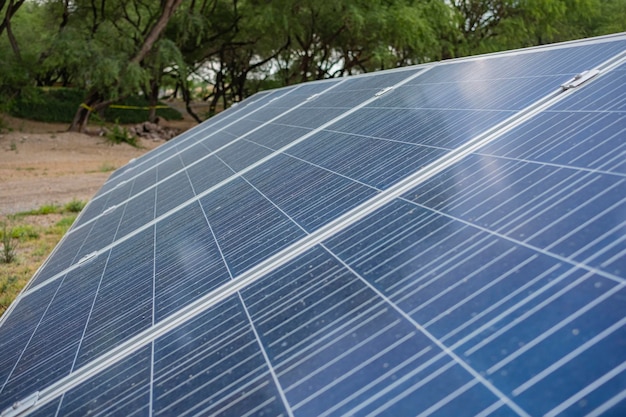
(441, 239)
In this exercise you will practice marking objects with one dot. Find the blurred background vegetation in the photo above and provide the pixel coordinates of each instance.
(63, 60)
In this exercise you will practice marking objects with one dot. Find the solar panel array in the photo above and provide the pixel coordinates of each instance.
(445, 239)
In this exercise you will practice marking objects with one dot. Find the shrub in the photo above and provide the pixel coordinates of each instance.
(74, 206)
(9, 244)
(59, 105)
(119, 135)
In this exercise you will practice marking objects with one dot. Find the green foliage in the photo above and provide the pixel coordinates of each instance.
(106, 167)
(118, 135)
(54, 105)
(74, 206)
(42, 210)
(59, 105)
(138, 115)
(65, 223)
(9, 244)
(24, 232)
(233, 49)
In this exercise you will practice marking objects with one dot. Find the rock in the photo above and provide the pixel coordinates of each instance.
(153, 131)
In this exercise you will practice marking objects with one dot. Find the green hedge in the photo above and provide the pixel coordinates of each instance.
(60, 104)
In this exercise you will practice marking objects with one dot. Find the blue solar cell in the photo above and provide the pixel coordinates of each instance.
(577, 132)
(246, 239)
(144, 180)
(245, 125)
(242, 154)
(97, 206)
(339, 349)
(18, 327)
(207, 173)
(309, 195)
(123, 389)
(173, 192)
(275, 135)
(137, 212)
(123, 304)
(377, 163)
(102, 233)
(216, 139)
(220, 355)
(168, 166)
(188, 263)
(57, 345)
(193, 153)
(514, 314)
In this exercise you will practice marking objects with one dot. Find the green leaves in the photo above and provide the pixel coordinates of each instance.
(228, 49)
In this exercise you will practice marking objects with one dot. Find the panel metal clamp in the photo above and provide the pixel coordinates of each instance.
(83, 260)
(109, 210)
(119, 184)
(579, 79)
(383, 91)
(19, 407)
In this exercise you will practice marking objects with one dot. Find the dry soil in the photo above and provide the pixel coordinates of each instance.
(42, 163)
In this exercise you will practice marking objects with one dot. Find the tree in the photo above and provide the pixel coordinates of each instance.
(137, 23)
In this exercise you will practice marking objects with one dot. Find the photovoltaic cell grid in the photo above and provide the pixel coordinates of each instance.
(430, 125)
(493, 287)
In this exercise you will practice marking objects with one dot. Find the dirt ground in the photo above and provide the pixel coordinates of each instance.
(42, 163)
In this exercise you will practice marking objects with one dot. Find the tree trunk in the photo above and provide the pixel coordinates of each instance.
(10, 12)
(153, 100)
(84, 111)
(169, 8)
(93, 103)
(187, 98)
(6, 24)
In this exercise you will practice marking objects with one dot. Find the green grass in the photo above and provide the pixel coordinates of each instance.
(106, 167)
(74, 206)
(34, 243)
(42, 210)
(24, 231)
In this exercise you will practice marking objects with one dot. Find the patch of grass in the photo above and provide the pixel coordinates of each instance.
(25, 169)
(13, 146)
(106, 167)
(43, 210)
(25, 231)
(10, 285)
(35, 244)
(65, 223)
(74, 206)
